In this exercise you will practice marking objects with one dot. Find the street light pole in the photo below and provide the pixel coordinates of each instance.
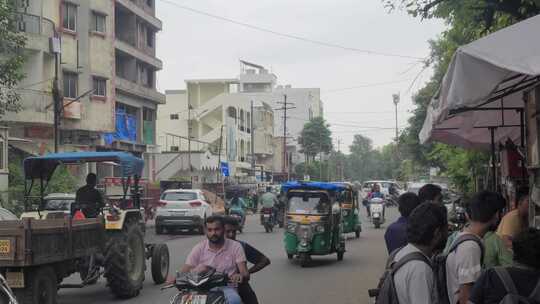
(395, 97)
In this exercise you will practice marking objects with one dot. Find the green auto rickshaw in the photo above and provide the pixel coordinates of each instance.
(348, 199)
(314, 225)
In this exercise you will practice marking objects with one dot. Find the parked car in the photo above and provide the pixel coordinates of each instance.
(182, 209)
(6, 215)
(56, 205)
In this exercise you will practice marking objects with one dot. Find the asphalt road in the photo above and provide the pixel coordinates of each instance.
(325, 281)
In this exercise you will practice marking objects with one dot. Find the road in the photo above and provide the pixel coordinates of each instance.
(325, 281)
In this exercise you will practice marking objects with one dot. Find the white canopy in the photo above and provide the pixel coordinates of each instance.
(481, 90)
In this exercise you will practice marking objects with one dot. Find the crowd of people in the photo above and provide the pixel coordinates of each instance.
(494, 258)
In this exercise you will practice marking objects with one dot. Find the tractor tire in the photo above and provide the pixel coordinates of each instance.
(160, 263)
(125, 261)
(41, 287)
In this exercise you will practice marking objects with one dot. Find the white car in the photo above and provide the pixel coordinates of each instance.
(57, 205)
(182, 209)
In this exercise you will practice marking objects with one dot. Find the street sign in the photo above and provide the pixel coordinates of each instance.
(225, 169)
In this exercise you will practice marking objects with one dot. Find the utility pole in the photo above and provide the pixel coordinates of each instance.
(340, 165)
(56, 93)
(395, 98)
(252, 143)
(220, 174)
(189, 138)
(286, 106)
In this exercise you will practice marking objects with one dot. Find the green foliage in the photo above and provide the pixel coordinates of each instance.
(467, 21)
(315, 138)
(11, 58)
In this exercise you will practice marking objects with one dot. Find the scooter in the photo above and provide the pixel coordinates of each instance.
(376, 207)
(196, 288)
(267, 219)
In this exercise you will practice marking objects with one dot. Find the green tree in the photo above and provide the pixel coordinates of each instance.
(315, 138)
(11, 58)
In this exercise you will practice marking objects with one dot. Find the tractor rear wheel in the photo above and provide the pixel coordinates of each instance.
(125, 261)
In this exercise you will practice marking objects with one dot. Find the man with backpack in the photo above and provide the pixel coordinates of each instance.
(409, 278)
(463, 263)
(516, 284)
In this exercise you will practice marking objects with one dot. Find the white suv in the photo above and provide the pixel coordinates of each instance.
(181, 208)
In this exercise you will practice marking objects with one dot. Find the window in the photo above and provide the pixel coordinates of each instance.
(70, 84)
(174, 116)
(149, 38)
(150, 3)
(69, 16)
(175, 149)
(99, 86)
(98, 23)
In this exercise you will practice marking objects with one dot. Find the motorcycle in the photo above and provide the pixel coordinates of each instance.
(267, 219)
(197, 288)
(376, 207)
(281, 216)
(6, 294)
(239, 216)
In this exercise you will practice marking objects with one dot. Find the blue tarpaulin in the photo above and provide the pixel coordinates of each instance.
(126, 128)
(312, 185)
(44, 166)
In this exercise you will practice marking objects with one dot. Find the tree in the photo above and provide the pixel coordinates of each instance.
(315, 138)
(11, 58)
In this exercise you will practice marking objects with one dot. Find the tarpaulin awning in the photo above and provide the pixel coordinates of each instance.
(481, 92)
(44, 166)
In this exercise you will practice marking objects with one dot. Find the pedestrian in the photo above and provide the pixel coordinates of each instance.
(516, 220)
(427, 229)
(430, 193)
(524, 274)
(496, 253)
(464, 263)
(253, 256)
(396, 234)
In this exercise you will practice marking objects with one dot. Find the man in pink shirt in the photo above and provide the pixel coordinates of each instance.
(224, 255)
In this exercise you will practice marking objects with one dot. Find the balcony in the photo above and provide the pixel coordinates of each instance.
(139, 90)
(36, 109)
(37, 31)
(142, 13)
(134, 52)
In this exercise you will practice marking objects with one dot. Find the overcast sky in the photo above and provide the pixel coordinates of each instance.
(192, 45)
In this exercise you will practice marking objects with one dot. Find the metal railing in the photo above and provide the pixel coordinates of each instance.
(33, 24)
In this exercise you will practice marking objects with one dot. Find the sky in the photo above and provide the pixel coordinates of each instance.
(356, 87)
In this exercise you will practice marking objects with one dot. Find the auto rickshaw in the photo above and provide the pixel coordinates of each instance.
(314, 225)
(349, 209)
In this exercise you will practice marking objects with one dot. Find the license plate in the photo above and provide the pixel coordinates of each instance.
(5, 246)
(15, 279)
(113, 225)
(178, 212)
(266, 215)
(193, 299)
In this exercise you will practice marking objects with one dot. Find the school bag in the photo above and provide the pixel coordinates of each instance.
(385, 293)
(512, 296)
(439, 265)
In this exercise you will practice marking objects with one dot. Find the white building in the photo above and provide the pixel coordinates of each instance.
(220, 111)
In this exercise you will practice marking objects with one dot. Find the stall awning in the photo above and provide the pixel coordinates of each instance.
(481, 92)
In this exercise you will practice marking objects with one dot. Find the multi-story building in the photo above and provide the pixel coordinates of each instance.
(210, 110)
(106, 71)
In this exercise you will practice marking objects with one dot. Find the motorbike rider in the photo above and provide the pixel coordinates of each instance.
(269, 200)
(238, 205)
(375, 193)
(224, 255)
(253, 256)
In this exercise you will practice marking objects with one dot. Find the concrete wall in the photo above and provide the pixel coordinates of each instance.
(176, 103)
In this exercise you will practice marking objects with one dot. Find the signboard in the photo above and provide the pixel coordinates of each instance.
(225, 169)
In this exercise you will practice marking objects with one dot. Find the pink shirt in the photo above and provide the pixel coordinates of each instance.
(223, 260)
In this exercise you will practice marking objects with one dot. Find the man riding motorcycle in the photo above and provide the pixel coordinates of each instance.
(270, 201)
(224, 255)
(253, 256)
(238, 206)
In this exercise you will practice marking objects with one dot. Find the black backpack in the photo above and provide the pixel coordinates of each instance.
(385, 293)
(439, 265)
(512, 295)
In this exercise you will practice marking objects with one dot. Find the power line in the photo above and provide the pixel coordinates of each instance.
(367, 85)
(291, 36)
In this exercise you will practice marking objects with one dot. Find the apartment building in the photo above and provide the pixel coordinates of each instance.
(99, 41)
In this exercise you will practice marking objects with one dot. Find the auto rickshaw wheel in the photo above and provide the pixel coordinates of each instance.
(357, 233)
(290, 256)
(304, 259)
(340, 255)
(377, 225)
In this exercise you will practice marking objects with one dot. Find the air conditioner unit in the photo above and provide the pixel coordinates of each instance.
(174, 149)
